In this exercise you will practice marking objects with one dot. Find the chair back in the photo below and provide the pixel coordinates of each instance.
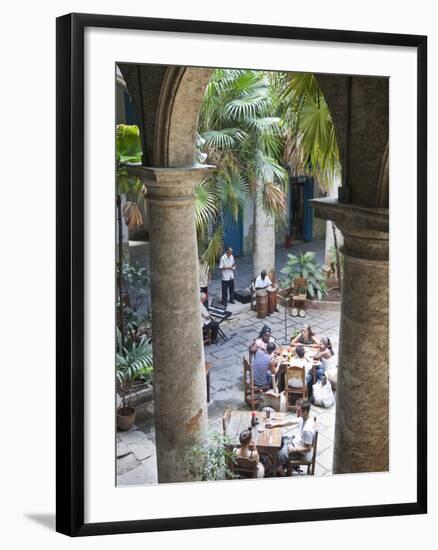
(215, 303)
(247, 373)
(314, 446)
(300, 282)
(297, 376)
(245, 467)
(226, 421)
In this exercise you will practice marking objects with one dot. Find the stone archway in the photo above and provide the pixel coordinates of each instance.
(168, 101)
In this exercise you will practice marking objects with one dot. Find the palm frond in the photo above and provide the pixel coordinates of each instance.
(213, 247)
(205, 204)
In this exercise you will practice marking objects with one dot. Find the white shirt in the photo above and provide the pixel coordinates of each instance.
(262, 283)
(205, 316)
(227, 274)
(306, 432)
(203, 274)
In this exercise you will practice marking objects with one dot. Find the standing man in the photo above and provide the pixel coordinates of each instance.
(227, 267)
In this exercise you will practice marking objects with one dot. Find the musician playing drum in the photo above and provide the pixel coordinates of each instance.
(262, 282)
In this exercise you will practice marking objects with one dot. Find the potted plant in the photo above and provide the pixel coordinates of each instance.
(133, 361)
(304, 266)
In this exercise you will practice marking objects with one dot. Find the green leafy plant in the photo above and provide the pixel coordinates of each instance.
(304, 266)
(128, 151)
(212, 461)
(132, 363)
(137, 282)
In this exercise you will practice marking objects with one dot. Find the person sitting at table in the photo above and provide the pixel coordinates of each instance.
(300, 360)
(244, 451)
(264, 365)
(265, 337)
(296, 447)
(305, 337)
(325, 356)
(325, 353)
(207, 322)
(262, 282)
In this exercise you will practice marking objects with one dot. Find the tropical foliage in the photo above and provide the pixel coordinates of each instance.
(305, 266)
(132, 363)
(311, 147)
(134, 352)
(242, 137)
(211, 461)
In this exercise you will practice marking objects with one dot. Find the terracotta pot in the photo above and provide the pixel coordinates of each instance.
(125, 418)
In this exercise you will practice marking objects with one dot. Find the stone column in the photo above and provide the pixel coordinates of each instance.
(362, 397)
(264, 241)
(178, 351)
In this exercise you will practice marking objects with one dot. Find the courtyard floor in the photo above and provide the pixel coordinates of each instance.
(136, 458)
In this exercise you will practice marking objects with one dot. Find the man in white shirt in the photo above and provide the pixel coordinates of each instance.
(262, 281)
(227, 267)
(207, 321)
(299, 447)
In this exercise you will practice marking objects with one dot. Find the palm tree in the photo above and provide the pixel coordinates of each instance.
(242, 138)
(311, 147)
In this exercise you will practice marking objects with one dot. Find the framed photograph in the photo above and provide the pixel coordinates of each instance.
(241, 288)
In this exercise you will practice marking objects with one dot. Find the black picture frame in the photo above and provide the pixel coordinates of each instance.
(70, 272)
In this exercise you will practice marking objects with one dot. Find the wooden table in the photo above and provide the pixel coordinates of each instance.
(310, 351)
(267, 441)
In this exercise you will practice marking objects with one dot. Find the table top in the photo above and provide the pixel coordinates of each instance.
(268, 438)
(309, 353)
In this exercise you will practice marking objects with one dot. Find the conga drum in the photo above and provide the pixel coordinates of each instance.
(272, 299)
(261, 303)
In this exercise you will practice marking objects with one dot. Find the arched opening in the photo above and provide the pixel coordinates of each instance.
(169, 101)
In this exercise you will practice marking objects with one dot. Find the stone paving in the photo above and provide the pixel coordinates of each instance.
(136, 460)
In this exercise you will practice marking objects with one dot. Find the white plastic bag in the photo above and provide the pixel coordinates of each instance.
(323, 394)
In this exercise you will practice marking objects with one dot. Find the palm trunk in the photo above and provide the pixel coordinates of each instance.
(264, 241)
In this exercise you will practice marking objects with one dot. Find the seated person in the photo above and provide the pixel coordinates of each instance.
(262, 282)
(300, 360)
(299, 447)
(305, 338)
(264, 365)
(265, 337)
(207, 321)
(325, 355)
(245, 452)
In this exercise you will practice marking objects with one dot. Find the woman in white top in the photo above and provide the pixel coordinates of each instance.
(300, 360)
(325, 355)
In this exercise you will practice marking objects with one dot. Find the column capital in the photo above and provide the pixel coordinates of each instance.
(365, 230)
(171, 185)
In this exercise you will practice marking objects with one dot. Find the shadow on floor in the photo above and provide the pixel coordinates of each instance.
(46, 520)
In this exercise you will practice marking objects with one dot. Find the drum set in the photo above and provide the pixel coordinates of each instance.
(266, 301)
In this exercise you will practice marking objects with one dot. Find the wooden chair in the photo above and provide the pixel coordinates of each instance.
(299, 298)
(298, 376)
(244, 468)
(206, 334)
(303, 462)
(252, 393)
(226, 421)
